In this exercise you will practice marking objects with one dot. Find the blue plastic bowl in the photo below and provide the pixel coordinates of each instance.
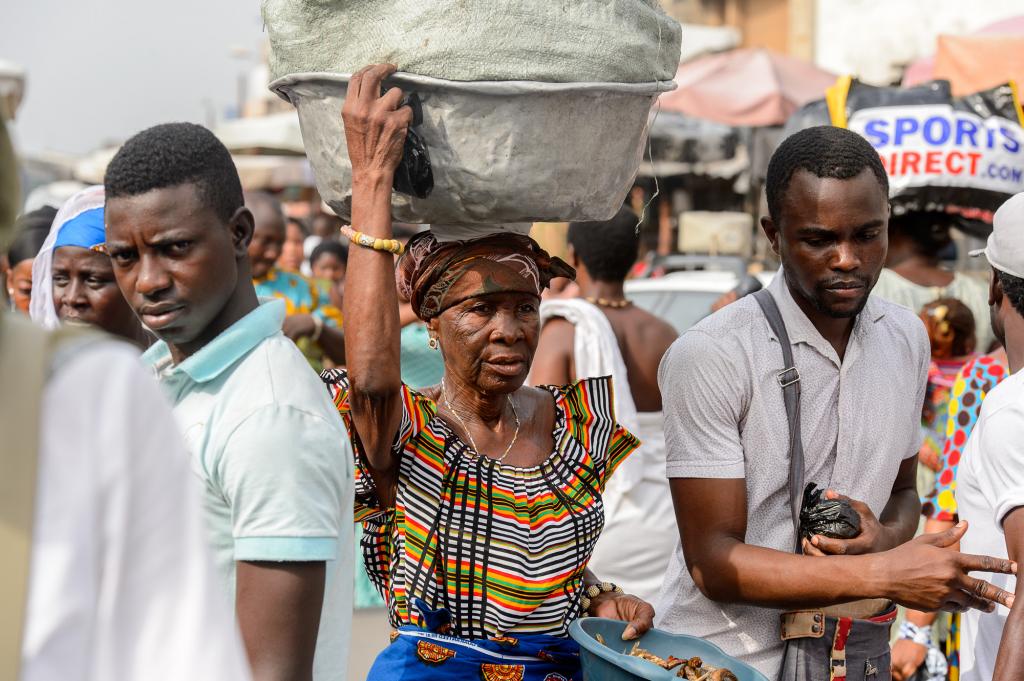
(608, 661)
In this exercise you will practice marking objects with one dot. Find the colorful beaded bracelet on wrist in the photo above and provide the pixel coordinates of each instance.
(366, 241)
(595, 590)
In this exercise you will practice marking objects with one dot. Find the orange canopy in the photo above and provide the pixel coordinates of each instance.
(924, 69)
(977, 62)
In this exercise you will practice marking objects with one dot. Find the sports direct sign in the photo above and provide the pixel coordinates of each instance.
(935, 145)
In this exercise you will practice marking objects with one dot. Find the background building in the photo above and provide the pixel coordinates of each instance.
(866, 38)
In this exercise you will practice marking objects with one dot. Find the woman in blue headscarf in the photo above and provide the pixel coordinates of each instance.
(74, 276)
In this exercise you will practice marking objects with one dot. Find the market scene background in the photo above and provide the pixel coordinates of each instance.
(77, 80)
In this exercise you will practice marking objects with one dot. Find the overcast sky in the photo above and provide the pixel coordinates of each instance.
(101, 70)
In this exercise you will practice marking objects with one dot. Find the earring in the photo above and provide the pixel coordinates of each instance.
(433, 344)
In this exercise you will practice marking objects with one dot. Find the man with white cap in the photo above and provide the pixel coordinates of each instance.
(990, 481)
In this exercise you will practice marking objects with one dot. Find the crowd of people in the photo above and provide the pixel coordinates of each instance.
(374, 413)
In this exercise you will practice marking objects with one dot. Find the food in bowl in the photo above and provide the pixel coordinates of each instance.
(692, 669)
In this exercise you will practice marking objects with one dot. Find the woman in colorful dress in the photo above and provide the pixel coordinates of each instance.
(480, 497)
(973, 382)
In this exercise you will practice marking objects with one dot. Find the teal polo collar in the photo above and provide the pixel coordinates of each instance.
(224, 350)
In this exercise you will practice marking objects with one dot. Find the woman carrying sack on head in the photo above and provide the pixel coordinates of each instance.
(480, 497)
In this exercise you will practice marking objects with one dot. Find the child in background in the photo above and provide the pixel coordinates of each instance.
(327, 263)
(292, 256)
(951, 330)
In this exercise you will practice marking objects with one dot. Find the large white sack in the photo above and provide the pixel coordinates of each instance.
(624, 41)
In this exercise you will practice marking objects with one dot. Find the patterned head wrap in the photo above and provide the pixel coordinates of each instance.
(434, 276)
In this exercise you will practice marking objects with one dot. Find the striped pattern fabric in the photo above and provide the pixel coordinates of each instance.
(502, 548)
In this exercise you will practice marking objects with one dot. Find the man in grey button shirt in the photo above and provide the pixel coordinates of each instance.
(863, 364)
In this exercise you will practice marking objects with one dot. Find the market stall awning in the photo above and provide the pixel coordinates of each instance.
(274, 134)
(675, 137)
(699, 40)
(745, 87)
(972, 63)
(92, 167)
(725, 169)
(255, 171)
(273, 172)
(923, 69)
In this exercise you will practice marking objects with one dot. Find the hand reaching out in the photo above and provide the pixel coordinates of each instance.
(298, 326)
(925, 574)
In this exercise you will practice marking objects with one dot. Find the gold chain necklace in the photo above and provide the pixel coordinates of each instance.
(607, 302)
(476, 450)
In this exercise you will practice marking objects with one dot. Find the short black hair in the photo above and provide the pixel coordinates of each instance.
(929, 231)
(329, 246)
(1013, 288)
(326, 225)
(172, 154)
(608, 248)
(300, 223)
(824, 151)
(257, 201)
(31, 230)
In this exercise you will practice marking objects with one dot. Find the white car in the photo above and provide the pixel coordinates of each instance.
(684, 298)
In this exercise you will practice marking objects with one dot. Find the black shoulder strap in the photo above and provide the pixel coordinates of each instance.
(789, 380)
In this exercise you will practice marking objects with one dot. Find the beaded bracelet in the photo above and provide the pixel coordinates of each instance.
(365, 240)
(595, 590)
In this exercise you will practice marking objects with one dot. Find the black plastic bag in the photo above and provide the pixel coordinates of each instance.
(833, 518)
(413, 176)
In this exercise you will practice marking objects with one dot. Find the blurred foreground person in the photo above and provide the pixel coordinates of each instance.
(30, 230)
(810, 380)
(601, 333)
(73, 277)
(265, 439)
(106, 573)
(990, 481)
(316, 333)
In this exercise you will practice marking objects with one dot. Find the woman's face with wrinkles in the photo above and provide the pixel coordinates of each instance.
(488, 341)
(85, 292)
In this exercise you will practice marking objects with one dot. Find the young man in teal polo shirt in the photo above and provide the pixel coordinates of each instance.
(264, 437)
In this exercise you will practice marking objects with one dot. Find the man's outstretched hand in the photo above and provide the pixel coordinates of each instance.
(926, 574)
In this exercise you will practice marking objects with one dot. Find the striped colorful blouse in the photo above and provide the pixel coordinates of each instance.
(502, 548)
